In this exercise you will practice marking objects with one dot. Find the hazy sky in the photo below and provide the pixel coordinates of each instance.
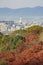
(20, 3)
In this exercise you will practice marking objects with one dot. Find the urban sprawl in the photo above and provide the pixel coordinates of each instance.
(9, 26)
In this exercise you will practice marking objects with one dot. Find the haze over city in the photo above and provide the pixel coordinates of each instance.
(20, 14)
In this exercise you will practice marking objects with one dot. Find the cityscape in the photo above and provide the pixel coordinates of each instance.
(21, 32)
(9, 26)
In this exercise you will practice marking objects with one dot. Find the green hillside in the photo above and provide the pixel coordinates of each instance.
(16, 38)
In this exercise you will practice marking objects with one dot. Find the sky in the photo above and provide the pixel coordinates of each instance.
(20, 3)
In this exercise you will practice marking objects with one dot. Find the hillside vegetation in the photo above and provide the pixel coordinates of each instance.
(22, 47)
(12, 41)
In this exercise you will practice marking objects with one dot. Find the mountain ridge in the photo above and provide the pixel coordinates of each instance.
(35, 11)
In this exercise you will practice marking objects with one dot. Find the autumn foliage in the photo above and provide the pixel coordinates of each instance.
(21, 50)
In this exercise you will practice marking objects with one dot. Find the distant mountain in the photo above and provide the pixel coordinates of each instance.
(12, 13)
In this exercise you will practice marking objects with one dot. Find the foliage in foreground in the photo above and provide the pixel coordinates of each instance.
(16, 38)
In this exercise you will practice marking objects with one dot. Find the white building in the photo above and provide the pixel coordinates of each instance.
(13, 28)
(3, 27)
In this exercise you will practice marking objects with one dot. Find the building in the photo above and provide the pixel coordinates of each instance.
(3, 27)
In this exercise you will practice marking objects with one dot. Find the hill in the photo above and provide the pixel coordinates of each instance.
(15, 13)
(22, 47)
